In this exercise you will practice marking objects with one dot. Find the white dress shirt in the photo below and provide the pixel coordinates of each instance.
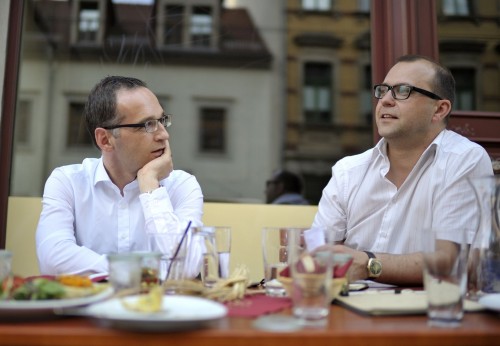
(84, 216)
(366, 211)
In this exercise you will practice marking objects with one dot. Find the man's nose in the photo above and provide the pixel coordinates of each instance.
(387, 98)
(161, 132)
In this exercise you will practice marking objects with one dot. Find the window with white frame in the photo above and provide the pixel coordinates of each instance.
(456, 7)
(88, 21)
(77, 135)
(201, 26)
(316, 5)
(213, 130)
(317, 92)
(465, 88)
(184, 24)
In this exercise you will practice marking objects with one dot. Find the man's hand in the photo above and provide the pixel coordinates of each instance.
(155, 170)
(403, 270)
(357, 270)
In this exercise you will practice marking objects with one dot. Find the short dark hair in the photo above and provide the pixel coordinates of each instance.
(100, 108)
(443, 83)
(291, 181)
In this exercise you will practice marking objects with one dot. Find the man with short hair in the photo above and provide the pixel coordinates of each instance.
(378, 203)
(285, 187)
(116, 202)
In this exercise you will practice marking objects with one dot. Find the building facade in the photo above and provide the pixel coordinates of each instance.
(208, 65)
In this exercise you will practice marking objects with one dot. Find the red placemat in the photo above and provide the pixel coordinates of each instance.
(257, 305)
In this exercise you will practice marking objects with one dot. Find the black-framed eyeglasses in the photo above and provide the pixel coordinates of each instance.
(401, 91)
(149, 126)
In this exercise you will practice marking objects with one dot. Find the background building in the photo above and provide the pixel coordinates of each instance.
(208, 65)
(254, 85)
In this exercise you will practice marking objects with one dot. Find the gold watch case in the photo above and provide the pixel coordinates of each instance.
(374, 268)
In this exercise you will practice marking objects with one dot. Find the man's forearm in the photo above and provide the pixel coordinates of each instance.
(403, 270)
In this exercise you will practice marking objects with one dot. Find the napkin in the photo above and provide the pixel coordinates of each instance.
(257, 305)
(392, 302)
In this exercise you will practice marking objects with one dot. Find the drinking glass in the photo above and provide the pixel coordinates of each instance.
(484, 256)
(150, 268)
(125, 272)
(445, 274)
(312, 274)
(5, 264)
(173, 247)
(311, 277)
(203, 242)
(275, 242)
(223, 245)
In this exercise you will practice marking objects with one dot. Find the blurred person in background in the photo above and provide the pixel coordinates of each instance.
(285, 187)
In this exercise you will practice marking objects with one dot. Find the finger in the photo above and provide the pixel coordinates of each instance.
(167, 151)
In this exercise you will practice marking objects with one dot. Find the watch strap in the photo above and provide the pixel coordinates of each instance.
(370, 254)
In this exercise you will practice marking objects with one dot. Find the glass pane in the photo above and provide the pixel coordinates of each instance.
(213, 130)
(88, 21)
(469, 46)
(316, 5)
(317, 92)
(309, 98)
(255, 72)
(201, 26)
(173, 24)
(456, 7)
(324, 97)
(77, 131)
(23, 122)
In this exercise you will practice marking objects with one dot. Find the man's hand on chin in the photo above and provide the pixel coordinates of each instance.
(154, 171)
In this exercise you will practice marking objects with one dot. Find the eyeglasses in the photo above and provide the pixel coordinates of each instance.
(150, 125)
(401, 91)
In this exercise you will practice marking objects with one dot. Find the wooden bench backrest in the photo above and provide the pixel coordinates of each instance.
(245, 220)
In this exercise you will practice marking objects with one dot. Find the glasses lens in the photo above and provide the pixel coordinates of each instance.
(402, 91)
(151, 125)
(166, 120)
(381, 90)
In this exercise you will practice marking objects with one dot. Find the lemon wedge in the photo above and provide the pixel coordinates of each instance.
(146, 303)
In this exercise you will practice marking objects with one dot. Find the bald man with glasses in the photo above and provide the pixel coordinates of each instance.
(378, 203)
(117, 202)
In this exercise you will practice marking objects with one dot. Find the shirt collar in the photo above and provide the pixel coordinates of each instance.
(380, 148)
(100, 173)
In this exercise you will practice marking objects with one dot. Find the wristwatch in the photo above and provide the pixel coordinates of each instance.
(374, 266)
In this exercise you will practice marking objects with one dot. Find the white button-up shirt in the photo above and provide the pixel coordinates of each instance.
(84, 216)
(366, 211)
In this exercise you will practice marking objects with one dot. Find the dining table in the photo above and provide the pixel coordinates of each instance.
(344, 327)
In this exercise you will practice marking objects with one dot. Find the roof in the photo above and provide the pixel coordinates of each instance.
(129, 37)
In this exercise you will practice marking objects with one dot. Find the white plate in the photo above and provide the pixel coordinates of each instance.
(31, 309)
(491, 301)
(178, 313)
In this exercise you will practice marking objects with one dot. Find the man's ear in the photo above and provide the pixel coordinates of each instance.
(104, 139)
(443, 108)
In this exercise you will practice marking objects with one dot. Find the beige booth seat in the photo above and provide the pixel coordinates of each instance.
(246, 221)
